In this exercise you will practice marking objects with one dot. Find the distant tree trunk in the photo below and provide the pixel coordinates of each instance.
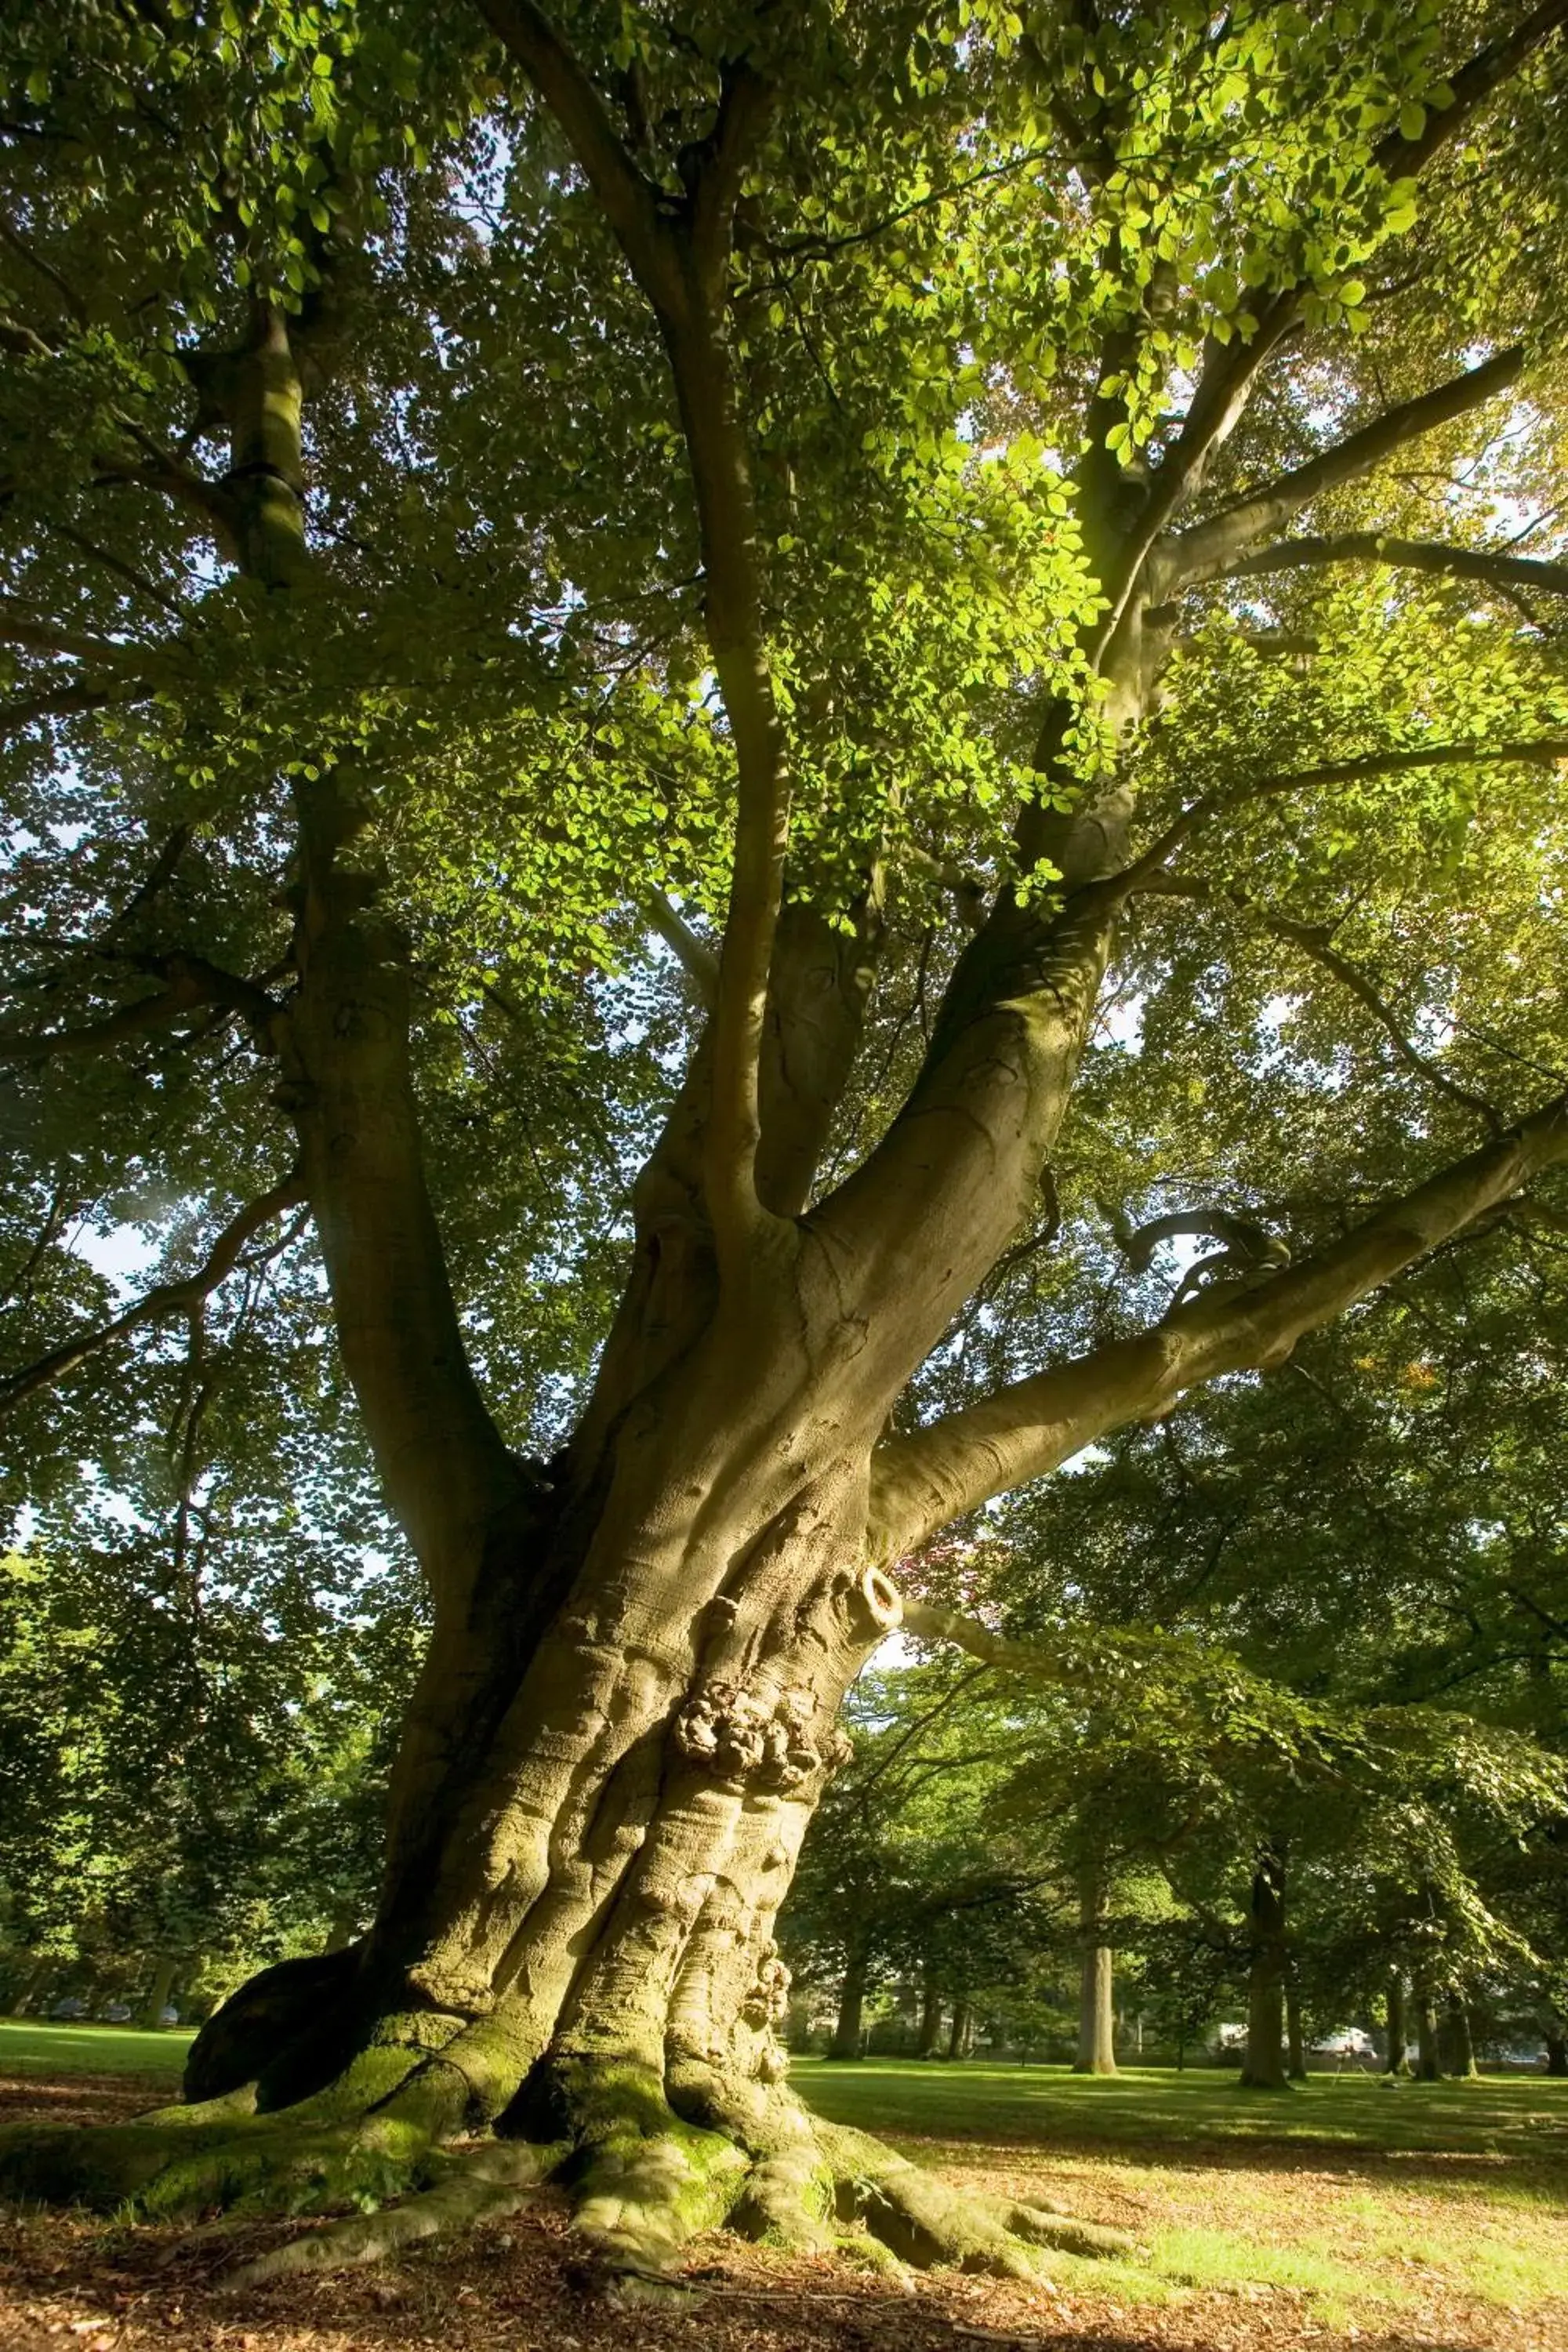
(931, 2013)
(152, 2008)
(1265, 2067)
(1096, 2015)
(1557, 2054)
(960, 2034)
(33, 1981)
(847, 2032)
(1428, 2069)
(1293, 2034)
(1396, 2063)
(1459, 2055)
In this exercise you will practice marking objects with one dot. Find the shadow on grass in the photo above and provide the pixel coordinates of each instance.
(1499, 2135)
(82, 2098)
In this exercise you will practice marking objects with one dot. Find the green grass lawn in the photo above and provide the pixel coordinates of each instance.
(1433, 2204)
(1145, 2108)
(1435, 2209)
(27, 2048)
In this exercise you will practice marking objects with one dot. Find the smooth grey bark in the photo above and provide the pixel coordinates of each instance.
(1096, 2012)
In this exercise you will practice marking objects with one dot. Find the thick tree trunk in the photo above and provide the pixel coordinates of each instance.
(1395, 2061)
(1428, 2069)
(1096, 2012)
(848, 2036)
(1557, 2055)
(960, 2033)
(151, 2011)
(1265, 2067)
(1295, 2040)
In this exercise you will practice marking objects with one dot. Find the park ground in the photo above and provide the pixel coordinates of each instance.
(1410, 2219)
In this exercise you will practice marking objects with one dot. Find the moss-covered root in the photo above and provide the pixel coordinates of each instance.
(181, 2160)
(484, 2185)
(927, 2223)
(642, 2182)
(787, 2198)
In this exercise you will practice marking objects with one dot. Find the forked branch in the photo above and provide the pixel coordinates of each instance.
(1148, 870)
(920, 1482)
(1314, 940)
(190, 981)
(166, 1299)
(1209, 549)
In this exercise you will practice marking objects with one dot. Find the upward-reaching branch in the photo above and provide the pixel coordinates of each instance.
(629, 199)
(920, 1482)
(1230, 371)
(1472, 85)
(678, 250)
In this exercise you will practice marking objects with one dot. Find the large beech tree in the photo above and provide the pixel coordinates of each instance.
(695, 692)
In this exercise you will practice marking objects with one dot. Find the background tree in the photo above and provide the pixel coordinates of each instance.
(927, 515)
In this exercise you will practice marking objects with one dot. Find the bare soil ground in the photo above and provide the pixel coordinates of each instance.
(70, 2281)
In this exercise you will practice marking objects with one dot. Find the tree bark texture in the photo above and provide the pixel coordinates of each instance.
(1265, 2067)
(627, 1709)
(1428, 2068)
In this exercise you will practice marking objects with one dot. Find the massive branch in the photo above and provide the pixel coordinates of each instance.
(923, 1481)
(348, 1084)
(1231, 370)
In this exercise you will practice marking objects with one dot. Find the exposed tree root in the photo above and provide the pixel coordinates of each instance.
(483, 2185)
(642, 2178)
(926, 2223)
